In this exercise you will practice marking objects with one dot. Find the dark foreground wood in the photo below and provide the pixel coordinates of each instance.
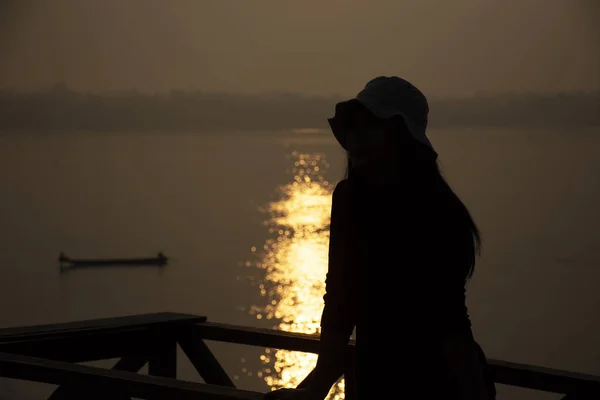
(107, 383)
(50, 353)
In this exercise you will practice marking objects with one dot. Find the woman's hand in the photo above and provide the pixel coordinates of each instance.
(293, 394)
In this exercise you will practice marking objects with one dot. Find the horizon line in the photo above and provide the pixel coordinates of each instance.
(63, 86)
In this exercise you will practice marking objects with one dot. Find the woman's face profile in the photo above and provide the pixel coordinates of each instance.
(368, 140)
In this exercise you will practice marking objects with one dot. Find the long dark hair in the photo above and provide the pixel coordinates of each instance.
(431, 174)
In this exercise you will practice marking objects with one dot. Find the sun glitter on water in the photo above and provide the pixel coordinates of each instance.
(294, 260)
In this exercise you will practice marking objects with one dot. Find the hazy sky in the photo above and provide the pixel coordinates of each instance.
(447, 48)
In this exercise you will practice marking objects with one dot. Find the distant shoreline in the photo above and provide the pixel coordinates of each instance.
(61, 109)
(287, 134)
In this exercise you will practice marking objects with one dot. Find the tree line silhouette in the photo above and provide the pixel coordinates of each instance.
(61, 109)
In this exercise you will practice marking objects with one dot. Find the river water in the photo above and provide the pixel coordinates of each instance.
(245, 218)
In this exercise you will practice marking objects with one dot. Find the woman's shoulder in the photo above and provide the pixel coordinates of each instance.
(340, 194)
(341, 188)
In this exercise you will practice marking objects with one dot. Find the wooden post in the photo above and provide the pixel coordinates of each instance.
(162, 360)
(350, 391)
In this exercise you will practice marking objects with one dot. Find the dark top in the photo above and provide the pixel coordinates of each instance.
(398, 262)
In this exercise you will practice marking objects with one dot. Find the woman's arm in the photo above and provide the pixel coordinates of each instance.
(465, 360)
(338, 318)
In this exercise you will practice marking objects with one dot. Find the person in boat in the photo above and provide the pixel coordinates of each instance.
(402, 249)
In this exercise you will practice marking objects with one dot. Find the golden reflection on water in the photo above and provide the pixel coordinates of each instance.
(294, 259)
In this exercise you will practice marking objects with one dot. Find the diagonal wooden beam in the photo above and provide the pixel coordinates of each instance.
(129, 364)
(103, 381)
(203, 359)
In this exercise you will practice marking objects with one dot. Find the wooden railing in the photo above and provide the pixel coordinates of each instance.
(52, 353)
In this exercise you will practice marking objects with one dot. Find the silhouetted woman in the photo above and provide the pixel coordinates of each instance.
(402, 247)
